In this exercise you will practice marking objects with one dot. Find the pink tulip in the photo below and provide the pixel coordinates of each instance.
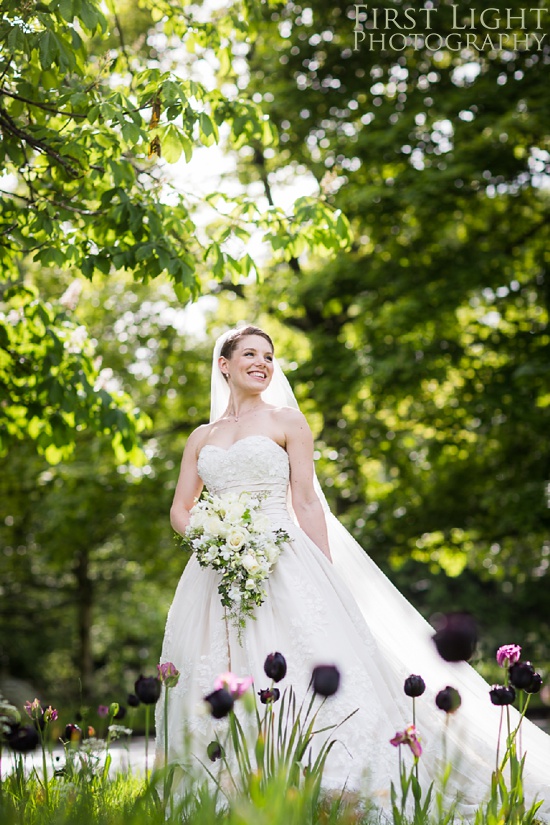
(409, 737)
(234, 684)
(508, 655)
(168, 674)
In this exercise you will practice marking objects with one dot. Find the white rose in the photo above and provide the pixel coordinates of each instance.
(272, 552)
(198, 519)
(236, 538)
(235, 512)
(250, 584)
(249, 563)
(260, 523)
(212, 525)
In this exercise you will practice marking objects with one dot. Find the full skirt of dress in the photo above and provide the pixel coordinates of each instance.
(347, 614)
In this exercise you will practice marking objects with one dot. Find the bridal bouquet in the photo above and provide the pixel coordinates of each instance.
(229, 533)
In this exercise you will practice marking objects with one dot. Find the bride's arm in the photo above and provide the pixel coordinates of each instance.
(305, 502)
(189, 485)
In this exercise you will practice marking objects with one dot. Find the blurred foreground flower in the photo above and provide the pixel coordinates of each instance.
(73, 733)
(147, 689)
(220, 701)
(23, 739)
(508, 655)
(50, 714)
(325, 680)
(275, 666)
(34, 709)
(269, 695)
(502, 695)
(414, 686)
(448, 699)
(168, 674)
(408, 737)
(456, 636)
(234, 684)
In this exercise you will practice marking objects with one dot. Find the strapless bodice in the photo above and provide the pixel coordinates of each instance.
(254, 464)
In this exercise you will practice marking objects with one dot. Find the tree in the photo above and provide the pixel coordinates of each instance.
(430, 341)
(88, 107)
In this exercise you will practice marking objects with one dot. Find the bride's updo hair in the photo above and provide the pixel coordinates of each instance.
(230, 343)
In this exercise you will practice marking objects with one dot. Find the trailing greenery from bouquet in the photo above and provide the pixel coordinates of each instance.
(230, 534)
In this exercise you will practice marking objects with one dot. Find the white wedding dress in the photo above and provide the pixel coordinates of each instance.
(347, 614)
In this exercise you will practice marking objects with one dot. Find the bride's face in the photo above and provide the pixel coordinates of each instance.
(251, 363)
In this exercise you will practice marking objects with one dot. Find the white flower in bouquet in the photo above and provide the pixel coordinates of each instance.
(250, 563)
(237, 538)
(260, 524)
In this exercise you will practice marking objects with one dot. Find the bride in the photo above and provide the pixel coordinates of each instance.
(326, 603)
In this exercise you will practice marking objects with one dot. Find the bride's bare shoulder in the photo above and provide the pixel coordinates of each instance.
(290, 418)
(198, 438)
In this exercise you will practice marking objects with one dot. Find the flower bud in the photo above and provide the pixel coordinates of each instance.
(132, 700)
(414, 686)
(269, 695)
(215, 751)
(508, 655)
(221, 702)
(325, 680)
(275, 667)
(502, 695)
(147, 689)
(521, 675)
(448, 699)
(456, 637)
(103, 711)
(121, 712)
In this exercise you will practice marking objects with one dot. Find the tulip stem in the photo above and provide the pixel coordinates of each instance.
(414, 725)
(44, 767)
(499, 735)
(165, 793)
(147, 709)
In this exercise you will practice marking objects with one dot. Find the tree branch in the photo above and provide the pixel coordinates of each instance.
(75, 115)
(10, 126)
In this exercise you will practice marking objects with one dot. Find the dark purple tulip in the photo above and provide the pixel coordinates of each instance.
(23, 739)
(73, 733)
(215, 751)
(502, 695)
(275, 667)
(456, 637)
(132, 700)
(521, 675)
(221, 702)
(414, 686)
(268, 696)
(448, 699)
(147, 689)
(121, 712)
(325, 680)
(536, 684)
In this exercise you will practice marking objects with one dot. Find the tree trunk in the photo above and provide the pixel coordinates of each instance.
(84, 593)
